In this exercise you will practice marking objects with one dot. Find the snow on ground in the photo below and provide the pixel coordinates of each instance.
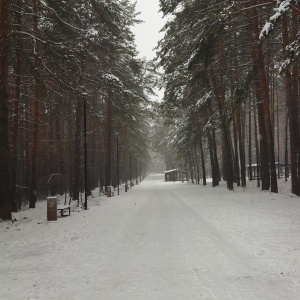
(161, 240)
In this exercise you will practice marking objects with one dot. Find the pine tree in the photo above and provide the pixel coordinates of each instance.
(5, 210)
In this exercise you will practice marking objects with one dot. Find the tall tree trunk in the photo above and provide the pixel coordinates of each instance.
(5, 210)
(234, 77)
(296, 90)
(215, 151)
(258, 163)
(37, 110)
(15, 125)
(266, 111)
(191, 168)
(225, 131)
(241, 149)
(264, 171)
(292, 105)
(236, 155)
(278, 131)
(263, 139)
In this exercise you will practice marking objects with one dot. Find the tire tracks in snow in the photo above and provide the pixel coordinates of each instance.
(232, 271)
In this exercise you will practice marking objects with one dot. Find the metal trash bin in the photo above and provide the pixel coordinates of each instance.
(51, 208)
(110, 192)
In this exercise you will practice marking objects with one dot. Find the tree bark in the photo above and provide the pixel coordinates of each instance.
(241, 149)
(213, 163)
(263, 139)
(5, 209)
(225, 130)
(266, 112)
(37, 110)
(292, 106)
(296, 91)
(15, 123)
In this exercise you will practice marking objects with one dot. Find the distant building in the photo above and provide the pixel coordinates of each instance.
(175, 175)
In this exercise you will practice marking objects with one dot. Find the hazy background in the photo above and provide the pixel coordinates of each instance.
(147, 33)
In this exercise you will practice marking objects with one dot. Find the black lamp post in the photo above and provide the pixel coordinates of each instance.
(173, 172)
(136, 174)
(129, 168)
(181, 172)
(141, 170)
(118, 179)
(85, 155)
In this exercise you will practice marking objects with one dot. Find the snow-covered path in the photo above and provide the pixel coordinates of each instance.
(159, 241)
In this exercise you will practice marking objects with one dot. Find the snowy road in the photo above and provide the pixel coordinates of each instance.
(158, 241)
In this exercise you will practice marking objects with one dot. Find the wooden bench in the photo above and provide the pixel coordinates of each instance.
(62, 210)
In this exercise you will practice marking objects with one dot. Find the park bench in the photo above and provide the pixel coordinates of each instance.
(64, 208)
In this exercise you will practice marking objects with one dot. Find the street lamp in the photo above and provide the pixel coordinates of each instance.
(141, 170)
(136, 174)
(85, 155)
(129, 168)
(118, 180)
(173, 172)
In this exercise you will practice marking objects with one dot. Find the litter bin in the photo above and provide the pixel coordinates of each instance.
(51, 208)
(110, 192)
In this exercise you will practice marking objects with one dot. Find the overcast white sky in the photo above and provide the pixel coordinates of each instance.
(147, 33)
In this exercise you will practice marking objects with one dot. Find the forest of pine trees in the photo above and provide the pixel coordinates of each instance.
(64, 65)
(230, 74)
(231, 79)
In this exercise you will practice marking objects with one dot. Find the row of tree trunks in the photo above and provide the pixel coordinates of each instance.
(41, 73)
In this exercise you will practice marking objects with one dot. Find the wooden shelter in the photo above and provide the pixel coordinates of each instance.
(175, 175)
